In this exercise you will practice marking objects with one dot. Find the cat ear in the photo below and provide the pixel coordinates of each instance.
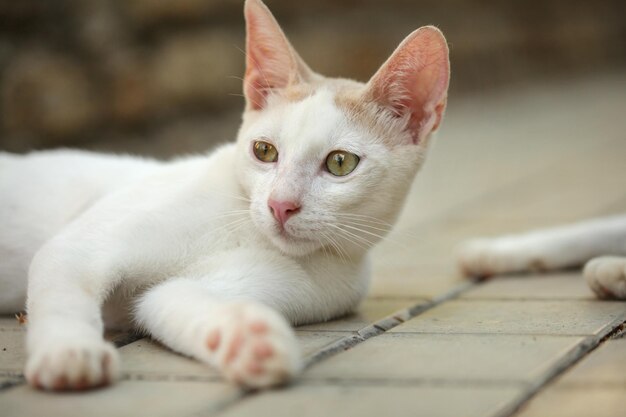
(413, 83)
(271, 61)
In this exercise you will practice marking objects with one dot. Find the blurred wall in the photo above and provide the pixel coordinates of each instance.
(162, 77)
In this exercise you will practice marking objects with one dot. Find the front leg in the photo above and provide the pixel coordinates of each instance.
(66, 350)
(251, 344)
(235, 309)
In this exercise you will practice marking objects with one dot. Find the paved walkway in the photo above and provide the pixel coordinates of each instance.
(427, 343)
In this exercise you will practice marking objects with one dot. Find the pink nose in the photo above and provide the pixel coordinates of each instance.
(282, 210)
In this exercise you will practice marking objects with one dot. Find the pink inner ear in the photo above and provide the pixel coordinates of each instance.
(258, 83)
(414, 81)
(270, 62)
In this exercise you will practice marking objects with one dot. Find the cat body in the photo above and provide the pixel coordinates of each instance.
(216, 255)
(599, 245)
(41, 194)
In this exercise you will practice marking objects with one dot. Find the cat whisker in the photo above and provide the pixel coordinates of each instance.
(239, 225)
(381, 237)
(355, 239)
(236, 211)
(256, 103)
(231, 227)
(323, 248)
(370, 219)
(369, 226)
(230, 195)
(261, 92)
(342, 253)
(364, 220)
(242, 80)
(228, 214)
(212, 233)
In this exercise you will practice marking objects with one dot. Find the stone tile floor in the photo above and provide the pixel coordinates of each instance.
(426, 342)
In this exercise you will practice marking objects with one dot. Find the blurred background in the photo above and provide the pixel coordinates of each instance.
(161, 77)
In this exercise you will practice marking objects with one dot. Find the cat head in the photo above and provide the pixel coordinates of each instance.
(327, 162)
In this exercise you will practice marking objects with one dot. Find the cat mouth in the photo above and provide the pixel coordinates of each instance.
(289, 237)
(286, 238)
(293, 245)
(285, 234)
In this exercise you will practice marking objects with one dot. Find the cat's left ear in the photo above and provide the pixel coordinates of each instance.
(271, 61)
(413, 83)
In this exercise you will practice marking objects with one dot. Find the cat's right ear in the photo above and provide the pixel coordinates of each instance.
(271, 61)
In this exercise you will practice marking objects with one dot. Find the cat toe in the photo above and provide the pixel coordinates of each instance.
(270, 364)
(258, 349)
(263, 350)
(606, 276)
(64, 368)
(213, 340)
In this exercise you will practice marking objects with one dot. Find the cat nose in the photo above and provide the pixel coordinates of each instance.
(282, 210)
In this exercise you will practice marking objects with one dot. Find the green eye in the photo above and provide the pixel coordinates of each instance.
(340, 163)
(265, 152)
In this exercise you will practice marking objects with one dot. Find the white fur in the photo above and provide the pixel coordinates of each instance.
(188, 250)
(562, 247)
(113, 242)
(606, 276)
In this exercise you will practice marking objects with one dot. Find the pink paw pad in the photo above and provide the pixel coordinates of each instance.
(263, 351)
(252, 345)
(259, 327)
(213, 340)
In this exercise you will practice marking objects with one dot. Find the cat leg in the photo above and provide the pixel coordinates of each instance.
(606, 276)
(251, 344)
(550, 249)
(66, 350)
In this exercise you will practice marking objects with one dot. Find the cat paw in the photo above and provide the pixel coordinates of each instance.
(75, 366)
(253, 346)
(606, 276)
(483, 258)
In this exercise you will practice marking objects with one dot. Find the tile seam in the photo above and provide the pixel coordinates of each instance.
(538, 299)
(492, 334)
(385, 324)
(11, 383)
(361, 335)
(566, 386)
(571, 358)
(413, 382)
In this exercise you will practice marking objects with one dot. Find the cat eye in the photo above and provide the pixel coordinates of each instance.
(340, 163)
(265, 152)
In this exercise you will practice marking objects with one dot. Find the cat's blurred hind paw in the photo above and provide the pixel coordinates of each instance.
(606, 276)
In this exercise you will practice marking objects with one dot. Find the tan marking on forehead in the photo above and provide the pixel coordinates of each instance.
(300, 91)
(297, 92)
(351, 101)
(364, 112)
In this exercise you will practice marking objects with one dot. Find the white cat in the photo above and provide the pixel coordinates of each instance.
(215, 255)
(599, 244)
